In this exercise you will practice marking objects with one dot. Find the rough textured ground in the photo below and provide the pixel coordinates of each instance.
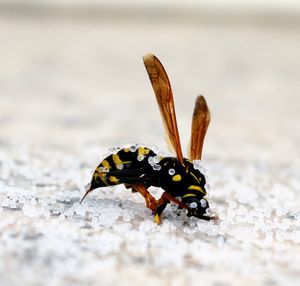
(69, 90)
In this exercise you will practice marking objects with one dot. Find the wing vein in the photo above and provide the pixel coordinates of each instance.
(164, 97)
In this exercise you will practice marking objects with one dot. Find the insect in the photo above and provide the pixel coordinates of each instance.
(138, 167)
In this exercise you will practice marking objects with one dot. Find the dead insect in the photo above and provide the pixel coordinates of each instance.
(138, 167)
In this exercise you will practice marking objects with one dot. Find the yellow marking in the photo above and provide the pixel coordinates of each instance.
(126, 150)
(117, 159)
(113, 179)
(105, 164)
(100, 170)
(176, 178)
(143, 151)
(100, 173)
(189, 195)
(198, 181)
(104, 181)
(102, 177)
(96, 176)
(157, 219)
(196, 188)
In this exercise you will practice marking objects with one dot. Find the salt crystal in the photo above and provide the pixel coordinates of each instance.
(150, 160)
(147, 226)
(45, 202)
(56, 212)
(33, 201)
(193, 205)
(113, 150)
(32, 211)
(5, 202)
(80, 211)
(126, 217)
(156, 167)
(197, 163)
(120, 166)
(22, 200)
(12, 204)
(203, 203)
(133, 148)
(140, 158)
(280, 211)
(241, 211)
(284, 225)
(156, 159)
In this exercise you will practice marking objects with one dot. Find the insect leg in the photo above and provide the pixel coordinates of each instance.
(151, 202)
(162, 203)
(128, 186)
(170, 198)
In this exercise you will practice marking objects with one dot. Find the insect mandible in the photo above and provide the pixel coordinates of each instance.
(138, 167)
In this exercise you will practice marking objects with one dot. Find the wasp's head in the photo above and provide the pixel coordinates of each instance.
(197, 207)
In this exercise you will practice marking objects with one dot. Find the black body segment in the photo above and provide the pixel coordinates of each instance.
(181, 179)
(142, 167)
(127, 166)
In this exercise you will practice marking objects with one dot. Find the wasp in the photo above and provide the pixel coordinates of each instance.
(138, 167)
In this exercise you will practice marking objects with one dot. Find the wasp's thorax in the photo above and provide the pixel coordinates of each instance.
(186, 181)
(181, 179)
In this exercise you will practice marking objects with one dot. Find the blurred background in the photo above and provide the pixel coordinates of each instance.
(71, 73)
(73, 84)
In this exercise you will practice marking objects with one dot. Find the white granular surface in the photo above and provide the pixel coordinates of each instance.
(70, 90)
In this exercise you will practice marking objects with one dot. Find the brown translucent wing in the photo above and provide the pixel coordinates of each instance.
(200, 122)
(164, 96)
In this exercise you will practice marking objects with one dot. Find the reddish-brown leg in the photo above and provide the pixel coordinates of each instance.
(151, 202)
(160, 203)
(167, 197)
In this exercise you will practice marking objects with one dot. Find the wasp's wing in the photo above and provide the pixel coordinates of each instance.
(200, 122)
(162, 89)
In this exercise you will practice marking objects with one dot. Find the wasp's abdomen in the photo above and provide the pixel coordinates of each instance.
(123, 167)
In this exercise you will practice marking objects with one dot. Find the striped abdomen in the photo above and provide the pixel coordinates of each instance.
(124, 167)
